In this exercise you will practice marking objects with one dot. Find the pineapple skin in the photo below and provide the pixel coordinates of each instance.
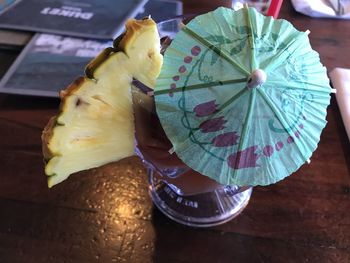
(95, 123)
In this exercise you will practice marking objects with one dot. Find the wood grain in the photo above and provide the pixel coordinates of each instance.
(105, 214)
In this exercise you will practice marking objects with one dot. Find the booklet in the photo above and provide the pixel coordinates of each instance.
(49, 63)
(103, 19)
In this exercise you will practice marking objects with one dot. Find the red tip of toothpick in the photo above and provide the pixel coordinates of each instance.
(274, 9)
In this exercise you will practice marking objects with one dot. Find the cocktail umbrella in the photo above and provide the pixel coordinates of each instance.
(242, 97)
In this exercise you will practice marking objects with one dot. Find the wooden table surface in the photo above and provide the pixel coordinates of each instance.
(105, 214)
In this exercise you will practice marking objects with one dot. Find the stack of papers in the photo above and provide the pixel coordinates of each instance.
(102, 19)
(50, 62)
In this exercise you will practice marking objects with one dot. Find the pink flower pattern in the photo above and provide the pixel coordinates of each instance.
(244, 159)
(212, 125)
(205, 109)
(225, 139)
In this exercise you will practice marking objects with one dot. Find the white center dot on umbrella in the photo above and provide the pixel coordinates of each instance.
(257, 78)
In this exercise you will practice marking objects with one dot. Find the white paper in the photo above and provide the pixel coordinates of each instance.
(340, 78)
(323, 8)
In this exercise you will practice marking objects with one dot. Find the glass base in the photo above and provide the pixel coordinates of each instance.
(200, 210)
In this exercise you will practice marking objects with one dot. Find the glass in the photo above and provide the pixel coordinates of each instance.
(261, 5)
(179, 192)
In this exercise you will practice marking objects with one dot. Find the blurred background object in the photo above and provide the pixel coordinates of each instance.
(323, 8)
(5, 3)
(261, 5)
(340, 78)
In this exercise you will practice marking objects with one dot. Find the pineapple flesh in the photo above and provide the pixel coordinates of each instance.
(95, 123)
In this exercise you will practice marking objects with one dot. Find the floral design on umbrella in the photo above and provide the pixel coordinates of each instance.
(205, 109)
(238, 110)
(225, 139)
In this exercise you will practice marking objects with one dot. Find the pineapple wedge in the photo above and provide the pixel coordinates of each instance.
(95, 124)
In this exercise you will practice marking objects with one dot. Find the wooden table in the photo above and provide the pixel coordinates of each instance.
(105, 214)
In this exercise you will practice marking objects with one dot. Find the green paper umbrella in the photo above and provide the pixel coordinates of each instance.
(242, 97)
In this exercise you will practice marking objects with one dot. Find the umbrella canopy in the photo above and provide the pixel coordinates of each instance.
(242, 97)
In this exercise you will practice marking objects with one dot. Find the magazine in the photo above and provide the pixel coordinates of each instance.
(103, 19)
(49, 63)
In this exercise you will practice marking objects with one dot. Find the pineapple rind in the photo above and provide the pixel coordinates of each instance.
(95, 125)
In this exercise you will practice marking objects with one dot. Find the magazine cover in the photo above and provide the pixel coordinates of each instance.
(49, 63)
(103, 19)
